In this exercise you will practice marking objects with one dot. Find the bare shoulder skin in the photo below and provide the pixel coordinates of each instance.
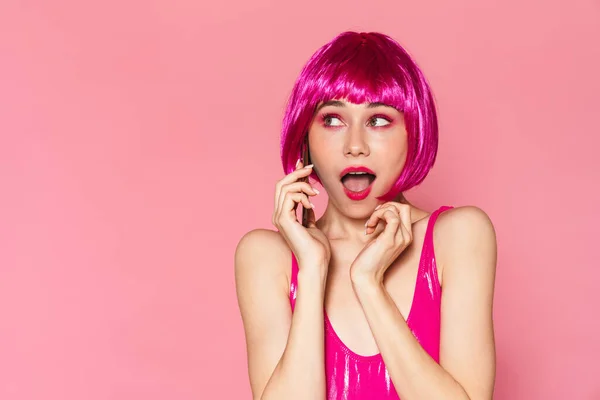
(262, 265)
(466, 251)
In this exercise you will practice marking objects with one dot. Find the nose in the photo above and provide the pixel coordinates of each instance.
(355, 142)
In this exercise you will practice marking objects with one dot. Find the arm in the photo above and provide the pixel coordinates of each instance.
(467, 356)
(285, 351)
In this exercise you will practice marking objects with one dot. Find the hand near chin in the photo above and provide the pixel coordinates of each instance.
(391, 230)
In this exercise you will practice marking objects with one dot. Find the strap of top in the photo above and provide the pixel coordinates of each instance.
(431, 223)
(293, 281)
(428, 260)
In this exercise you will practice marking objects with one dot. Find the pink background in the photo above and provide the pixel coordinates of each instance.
(139, 141)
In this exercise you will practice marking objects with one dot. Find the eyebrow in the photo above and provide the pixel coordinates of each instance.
(337, 103)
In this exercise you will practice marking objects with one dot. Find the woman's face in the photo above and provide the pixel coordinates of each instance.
(370, 136)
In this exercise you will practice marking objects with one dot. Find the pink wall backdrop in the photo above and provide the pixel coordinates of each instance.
(139, 141)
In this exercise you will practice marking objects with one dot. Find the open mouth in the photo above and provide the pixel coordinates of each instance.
(358, 181)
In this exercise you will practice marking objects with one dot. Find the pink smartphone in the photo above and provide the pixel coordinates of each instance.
(305, 162)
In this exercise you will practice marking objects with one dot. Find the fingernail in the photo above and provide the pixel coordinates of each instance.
(378, 207)
(316, 191)
(309, 166)
(297, 162)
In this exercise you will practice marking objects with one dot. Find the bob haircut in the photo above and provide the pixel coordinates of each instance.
(365, 67)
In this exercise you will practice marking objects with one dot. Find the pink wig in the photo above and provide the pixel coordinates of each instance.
(365, 67)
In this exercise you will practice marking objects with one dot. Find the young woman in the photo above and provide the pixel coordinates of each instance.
(368, 302)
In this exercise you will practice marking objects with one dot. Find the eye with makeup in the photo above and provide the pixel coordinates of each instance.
(328, 120)
(379, 121)
(375, 121)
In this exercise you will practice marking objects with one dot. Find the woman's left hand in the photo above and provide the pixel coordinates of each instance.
(391, 226)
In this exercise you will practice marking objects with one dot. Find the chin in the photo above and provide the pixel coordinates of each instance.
(357, 209)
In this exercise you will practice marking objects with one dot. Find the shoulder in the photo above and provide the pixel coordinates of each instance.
(464, 232)
(254, 241)
(262, 259)
(465, 220)
(262, 254)
(467, 349)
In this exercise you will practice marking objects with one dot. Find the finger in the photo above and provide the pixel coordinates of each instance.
(288, 210)
(406, 218)
(290, 178)
(404, 211)
(404, 234)
(282, 181)
(403, 237)
(373, 221)
(392, 224)
(299, 172)
(297, 187)
(378, 221)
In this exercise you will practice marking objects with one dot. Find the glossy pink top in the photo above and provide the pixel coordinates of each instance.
(351, 376)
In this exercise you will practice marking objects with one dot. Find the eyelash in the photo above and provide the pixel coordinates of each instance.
(324, 118)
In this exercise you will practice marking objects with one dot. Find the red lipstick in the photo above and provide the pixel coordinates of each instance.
(358, 168)
(362, 194)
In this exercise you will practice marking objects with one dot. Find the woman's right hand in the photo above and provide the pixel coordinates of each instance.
(309, 244)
